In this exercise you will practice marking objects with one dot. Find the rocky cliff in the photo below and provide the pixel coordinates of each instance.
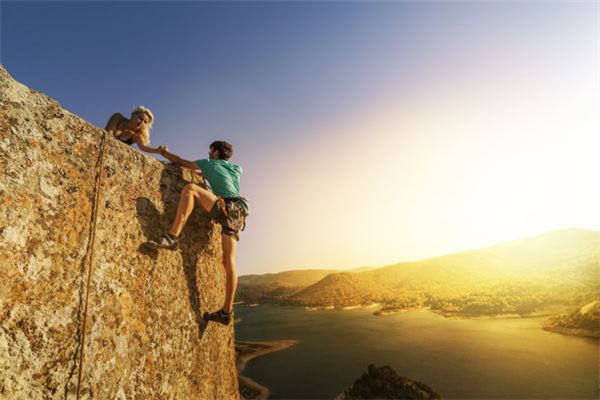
(84, 311)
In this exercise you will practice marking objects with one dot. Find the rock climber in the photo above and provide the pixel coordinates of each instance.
(224, 204)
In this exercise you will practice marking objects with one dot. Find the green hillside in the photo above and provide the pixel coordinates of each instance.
(538, 275)
(353, 288)
(276, 286)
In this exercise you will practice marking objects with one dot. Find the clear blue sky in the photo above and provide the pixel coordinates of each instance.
(326, 102)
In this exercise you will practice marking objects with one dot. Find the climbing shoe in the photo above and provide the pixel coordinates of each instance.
(166, 241)
(222, 317)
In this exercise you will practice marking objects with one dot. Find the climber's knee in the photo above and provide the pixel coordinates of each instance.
(205, 198)
(189, 188)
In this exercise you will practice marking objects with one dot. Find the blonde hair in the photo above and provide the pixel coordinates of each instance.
(145, 133)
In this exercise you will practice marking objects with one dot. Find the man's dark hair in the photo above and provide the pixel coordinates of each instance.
(224, 149)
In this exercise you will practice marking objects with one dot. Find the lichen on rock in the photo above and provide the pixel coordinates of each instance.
(144, 337)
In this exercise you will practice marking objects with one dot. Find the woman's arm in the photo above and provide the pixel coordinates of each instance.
(143, 143)
(145, 148)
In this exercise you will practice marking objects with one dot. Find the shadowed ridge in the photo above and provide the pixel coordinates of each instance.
(385, 383)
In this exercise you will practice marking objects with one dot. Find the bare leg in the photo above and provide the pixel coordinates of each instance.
(190, 195)
(229, 245)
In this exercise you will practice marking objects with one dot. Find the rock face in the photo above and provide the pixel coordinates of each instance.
(82, 307)
(385, 383)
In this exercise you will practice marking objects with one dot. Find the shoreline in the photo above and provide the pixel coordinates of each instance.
(395, 311)
(464, 316)
(381, 312)
(340, 308)
(247, 353)
(584, 333)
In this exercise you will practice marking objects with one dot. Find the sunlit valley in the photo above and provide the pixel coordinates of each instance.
(516, 320)
(554, 274)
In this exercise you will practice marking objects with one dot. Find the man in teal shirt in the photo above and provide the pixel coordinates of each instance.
(224, 204)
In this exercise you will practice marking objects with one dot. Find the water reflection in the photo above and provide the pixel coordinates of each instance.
(458, 358)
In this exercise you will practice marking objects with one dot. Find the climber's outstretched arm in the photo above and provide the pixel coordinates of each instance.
(143, 147)
(175, 159)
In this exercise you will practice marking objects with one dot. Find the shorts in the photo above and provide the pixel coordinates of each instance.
(230, 213)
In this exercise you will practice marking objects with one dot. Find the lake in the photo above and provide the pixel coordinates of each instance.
(457, 358)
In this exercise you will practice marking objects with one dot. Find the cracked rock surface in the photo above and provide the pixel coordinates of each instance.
(144, 337)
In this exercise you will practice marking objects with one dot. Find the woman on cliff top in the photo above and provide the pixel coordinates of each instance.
(136, 129)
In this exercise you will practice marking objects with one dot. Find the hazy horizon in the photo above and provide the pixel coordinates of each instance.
(370, 133)
(491, 245)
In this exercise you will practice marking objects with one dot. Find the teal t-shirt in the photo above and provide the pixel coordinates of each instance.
(224, 177)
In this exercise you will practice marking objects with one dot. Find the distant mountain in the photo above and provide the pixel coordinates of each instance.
(385, 383)
(276, 286)
(353, 288)
(525, 277)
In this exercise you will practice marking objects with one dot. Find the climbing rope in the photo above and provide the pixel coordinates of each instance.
(97, 191)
